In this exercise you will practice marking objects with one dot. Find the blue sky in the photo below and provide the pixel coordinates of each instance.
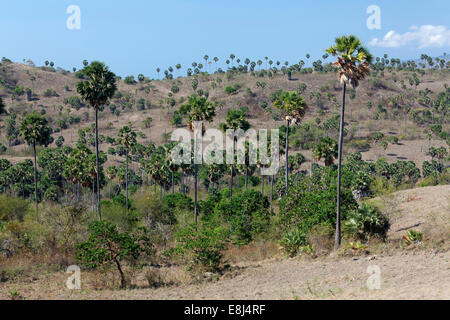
(136, 36)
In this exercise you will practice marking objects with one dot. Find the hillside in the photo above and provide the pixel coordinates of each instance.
(383, 103)
(412, 272)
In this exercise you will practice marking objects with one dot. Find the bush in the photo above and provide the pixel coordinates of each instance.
(152, 211)
(247, 214)
(61, 227)
(12, 208)
(293, 241)
(365, 222)
(50, 93)
(202, 246)
(311, 203)
(116, 212)
(130, 80)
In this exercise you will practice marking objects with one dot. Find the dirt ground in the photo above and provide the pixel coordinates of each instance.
(419, 271)
(422, 274)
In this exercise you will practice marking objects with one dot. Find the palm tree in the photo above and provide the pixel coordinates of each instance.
(216, 60)
(232, 56)
(197, 109)
(353, 61)
(35, 131)
(206, 57)
(235, 120)
(294, 107)
(97, 91)
(127, 138)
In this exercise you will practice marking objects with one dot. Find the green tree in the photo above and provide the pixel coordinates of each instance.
(35, 131)
(106, 245)
(100, 87)
(353, 61)
(294, 107)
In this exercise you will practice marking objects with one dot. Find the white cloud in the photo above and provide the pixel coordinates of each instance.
(424, 36)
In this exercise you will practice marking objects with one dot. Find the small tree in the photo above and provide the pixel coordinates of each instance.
(106, 245)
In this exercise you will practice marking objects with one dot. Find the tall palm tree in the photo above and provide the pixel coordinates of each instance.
(294, 107)
(232, 56)
(206, 57)
(235, 120)
(353, 61)
(197, 109)
(97, 91)
(35, 131)
(127, 138)
(216, 60)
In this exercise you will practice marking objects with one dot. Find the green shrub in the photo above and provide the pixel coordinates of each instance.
(12, 208)
(415, 236)
(152, 210)
(202, 246)
(312, 202)
(293, 241)
(365, 222)
(116, 212)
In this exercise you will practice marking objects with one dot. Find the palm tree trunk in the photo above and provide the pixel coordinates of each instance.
(246, 177)
(182, 182)
(271, 192)
(98, 165)
(126, 178)
(35, 179)
(173, 185)
(287, 155)
(230, 192)
(337, 240)
(195, 193)
(262, 185)
(93, 196)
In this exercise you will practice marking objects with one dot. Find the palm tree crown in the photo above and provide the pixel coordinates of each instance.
(353, 59)
(101, 86)
(198, 109)
(34, 130)
(292, 105)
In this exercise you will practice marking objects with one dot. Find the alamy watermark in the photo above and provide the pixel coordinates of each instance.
(74, 281)
(374, 281)
(374, 20)
(73, 22)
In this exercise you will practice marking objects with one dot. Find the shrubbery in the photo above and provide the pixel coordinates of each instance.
(365, 222)
(202, 246)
